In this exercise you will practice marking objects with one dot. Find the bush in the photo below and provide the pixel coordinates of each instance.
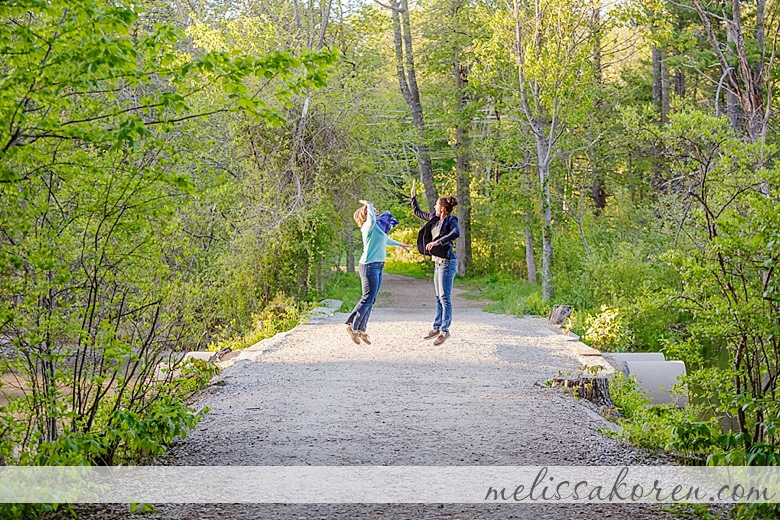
(281, 314)
(606, 331)
(626, 395)
(678, 430)
(412, 256)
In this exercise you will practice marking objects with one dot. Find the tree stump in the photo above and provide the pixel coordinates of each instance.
(593, 388)
(559, 313)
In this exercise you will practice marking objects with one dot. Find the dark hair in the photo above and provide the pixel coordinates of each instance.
(448, 202)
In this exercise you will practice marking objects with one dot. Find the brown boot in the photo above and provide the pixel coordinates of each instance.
(353, 334)
(432, 334)
(364, 337)
(442, 338)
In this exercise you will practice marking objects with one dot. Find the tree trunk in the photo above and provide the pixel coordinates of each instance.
(50, 394)
(657, 59)
(760, 21)
(547, 245)
(745, 79)
(462, 168)
(559, 313)
(582, 233)
(407, 80)
(594, 389)
(660, 100)
(732, 109)
(464, 204)
(596, 29)
(350, 252)
(544, 126)
(303, 120)
(597, 188)
(679, 83)
(598, 194)
(665, 83)
(530, 261)
(544, 158)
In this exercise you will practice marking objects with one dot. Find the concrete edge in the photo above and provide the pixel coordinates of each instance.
(253, 353)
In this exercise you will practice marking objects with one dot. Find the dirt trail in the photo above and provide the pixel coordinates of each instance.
(312, 397)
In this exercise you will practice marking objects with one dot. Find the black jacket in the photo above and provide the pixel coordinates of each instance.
(448, 233)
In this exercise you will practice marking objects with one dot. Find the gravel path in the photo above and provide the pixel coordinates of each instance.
(312, 397)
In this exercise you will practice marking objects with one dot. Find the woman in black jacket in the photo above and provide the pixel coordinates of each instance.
(436, 239)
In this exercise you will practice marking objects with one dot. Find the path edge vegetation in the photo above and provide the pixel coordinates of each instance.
(175, 180)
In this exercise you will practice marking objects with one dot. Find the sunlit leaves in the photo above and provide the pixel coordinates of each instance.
(93, 192)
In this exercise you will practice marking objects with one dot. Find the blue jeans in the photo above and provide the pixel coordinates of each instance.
(371, 279)
(443, 277)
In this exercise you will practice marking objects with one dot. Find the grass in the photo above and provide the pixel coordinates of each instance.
(510, 294)
(423, 271)
(345, 287)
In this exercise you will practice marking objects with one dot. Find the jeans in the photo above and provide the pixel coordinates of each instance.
(371, 279)
(443, 277)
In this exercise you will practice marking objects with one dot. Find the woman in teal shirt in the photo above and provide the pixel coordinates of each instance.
(372, 262)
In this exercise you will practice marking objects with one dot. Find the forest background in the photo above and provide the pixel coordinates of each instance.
(181, 176)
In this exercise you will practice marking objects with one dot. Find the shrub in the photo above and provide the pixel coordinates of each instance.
(411, 255)
(606, 331)
(678, 430)
(281, 314)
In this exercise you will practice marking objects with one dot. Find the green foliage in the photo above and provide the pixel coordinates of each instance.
(693, 439)
(607, 331)
(626, 395)
(280, 314)
(498, 244)
(678, 430)
(142, 508)
(102, 233)
(125, 437)
(718, 302)
(690, 351)
(161, 186)
(511, 295)
(27, 511)
(728, 278)
(623, 273)
(422, 270)
(345, 287)
(406, 235)
(120, 432)
(756, 511)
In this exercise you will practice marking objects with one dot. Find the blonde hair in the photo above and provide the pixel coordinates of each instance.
(361, 215)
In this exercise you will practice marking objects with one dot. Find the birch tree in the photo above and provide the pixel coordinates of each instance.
(450, 33)
(407, 81)
(552, 49)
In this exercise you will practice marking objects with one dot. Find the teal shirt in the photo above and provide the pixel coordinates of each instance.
(375, 241)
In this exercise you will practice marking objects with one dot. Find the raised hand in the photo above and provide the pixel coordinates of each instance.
(413, 188)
